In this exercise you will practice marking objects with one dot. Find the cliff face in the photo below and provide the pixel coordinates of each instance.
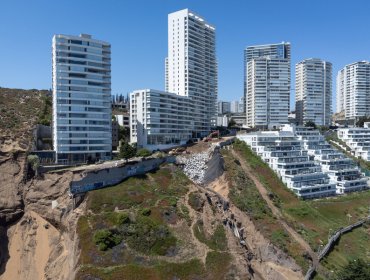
(11, 177)
(37, 240)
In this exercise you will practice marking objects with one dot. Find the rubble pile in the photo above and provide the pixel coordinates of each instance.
(195, 166)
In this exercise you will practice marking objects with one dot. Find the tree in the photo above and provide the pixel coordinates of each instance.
(231, 123)
(310, 124)
(106, 239)
(126, 151)
(34, 162)
(123, 133)
(143, 153)
(355, 269)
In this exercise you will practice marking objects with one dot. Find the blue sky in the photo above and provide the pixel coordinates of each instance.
(334, 30)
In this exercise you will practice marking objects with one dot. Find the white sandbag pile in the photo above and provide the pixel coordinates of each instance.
(195, 166)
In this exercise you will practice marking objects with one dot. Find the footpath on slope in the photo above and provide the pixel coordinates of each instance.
(277, 213)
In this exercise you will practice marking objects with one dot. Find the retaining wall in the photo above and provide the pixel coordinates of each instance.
(98, 179)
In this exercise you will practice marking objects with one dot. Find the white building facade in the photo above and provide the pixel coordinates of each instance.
(285, 154)
(267, 85)
(160, 120)
(81, 82)
(305, 162)
(353, 90)
(358, 139)
(191, 66)
(342, 171)
(313, 89)
(234, 106)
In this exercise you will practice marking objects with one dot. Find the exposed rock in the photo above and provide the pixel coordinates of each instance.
(11, 176)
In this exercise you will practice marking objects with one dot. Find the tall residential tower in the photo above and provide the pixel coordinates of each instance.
(81, 98)
(313, 89)
(353, 90)
(267, 85)
(191, 67)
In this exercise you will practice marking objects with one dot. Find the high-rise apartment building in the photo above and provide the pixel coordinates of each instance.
(267, 85)
(81, 78)
(313, 89)
(191, 65)
(234, 106)
(353, 90)
(159, 119)
(241, 105)
(223, 107)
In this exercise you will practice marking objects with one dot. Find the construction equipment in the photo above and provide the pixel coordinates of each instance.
(212, 135)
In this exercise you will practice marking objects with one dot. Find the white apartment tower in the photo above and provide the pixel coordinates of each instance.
(191, 66)
(267, 85)
(313, 88)
(159, 120)
(81, 98)
(353, 90)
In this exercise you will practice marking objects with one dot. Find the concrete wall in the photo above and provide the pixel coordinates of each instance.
(111, 176)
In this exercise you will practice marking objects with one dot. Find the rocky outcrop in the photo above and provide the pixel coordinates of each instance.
(38, 224)
(11, 177)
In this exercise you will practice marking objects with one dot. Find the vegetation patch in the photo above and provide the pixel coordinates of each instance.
(218, 263)
(19, 112)
(216, 241)
(244, 194)
(129, 225)
(106, 239)
(190, 270)
(196, 201)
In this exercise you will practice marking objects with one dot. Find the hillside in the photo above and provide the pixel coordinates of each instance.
(244, 224)
(316, 219)
(20, 111)
(162, 226)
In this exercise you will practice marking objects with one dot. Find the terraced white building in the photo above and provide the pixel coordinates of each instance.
(81, 85)
(305, 162)
(285, 154)
(341, 170)
(358, 139)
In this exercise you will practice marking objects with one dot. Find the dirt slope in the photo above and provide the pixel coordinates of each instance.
(275, 210)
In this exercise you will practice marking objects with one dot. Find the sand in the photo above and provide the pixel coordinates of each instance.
(30, 245)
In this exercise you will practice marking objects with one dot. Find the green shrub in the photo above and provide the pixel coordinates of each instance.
(146, 212)
(143, 153)
(148, 236)
(217, 241)
(106, 239)
(122, 218)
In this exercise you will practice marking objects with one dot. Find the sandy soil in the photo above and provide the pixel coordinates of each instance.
(220, 186)
(32, 241)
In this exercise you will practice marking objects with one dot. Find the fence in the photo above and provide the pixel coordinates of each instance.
(332, 240)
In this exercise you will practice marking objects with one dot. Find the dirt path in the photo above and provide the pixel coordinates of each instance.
(277, 213)
(203, 249)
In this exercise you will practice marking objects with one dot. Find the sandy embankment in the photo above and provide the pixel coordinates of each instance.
(31, 243)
